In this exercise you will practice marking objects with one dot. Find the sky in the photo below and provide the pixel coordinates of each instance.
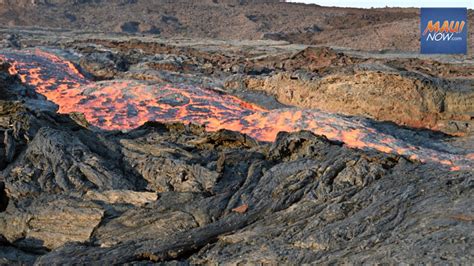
(391, 3)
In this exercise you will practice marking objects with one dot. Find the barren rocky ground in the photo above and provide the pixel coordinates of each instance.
(138, 148)
(388, 29)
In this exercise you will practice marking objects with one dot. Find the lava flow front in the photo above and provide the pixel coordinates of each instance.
(128, 104)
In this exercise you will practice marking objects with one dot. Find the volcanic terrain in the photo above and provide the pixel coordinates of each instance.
(381, 29)
(129, 148)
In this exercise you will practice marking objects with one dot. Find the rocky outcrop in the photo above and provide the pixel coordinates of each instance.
(175, 193)
(381, 89)
(50, 222)
(415, 102)
(103, 65)
(170, 192)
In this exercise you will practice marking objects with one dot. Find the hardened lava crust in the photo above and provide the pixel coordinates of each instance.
(119, 149)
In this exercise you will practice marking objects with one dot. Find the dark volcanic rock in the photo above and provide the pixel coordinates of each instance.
(58, 161)
(103, 65)
(385, 90)
(3, 197)
(306, 200)
(131, 26)
(176, 193)
(12, 255)
(49, 222)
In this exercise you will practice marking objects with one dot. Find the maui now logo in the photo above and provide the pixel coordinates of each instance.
(446, 32)
(443, 30)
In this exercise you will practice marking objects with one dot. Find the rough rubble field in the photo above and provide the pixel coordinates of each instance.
(383, 172)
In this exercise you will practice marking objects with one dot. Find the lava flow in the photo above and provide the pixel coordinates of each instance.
(128, 104)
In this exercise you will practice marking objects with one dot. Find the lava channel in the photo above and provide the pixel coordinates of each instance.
(127, 104)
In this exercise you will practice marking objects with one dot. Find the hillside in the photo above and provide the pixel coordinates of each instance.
(368, 29)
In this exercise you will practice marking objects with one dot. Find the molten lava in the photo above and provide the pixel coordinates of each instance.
(126, 104)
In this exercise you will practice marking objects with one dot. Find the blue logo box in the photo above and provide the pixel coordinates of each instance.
(443, 30)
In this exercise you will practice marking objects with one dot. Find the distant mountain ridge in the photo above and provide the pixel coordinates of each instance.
(366, 29)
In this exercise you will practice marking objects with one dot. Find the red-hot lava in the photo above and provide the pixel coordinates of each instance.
(128, 104)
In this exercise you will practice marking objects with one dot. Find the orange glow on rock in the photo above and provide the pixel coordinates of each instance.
(127, 104)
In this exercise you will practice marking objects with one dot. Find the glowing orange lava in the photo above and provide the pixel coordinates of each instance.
(127, 104)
